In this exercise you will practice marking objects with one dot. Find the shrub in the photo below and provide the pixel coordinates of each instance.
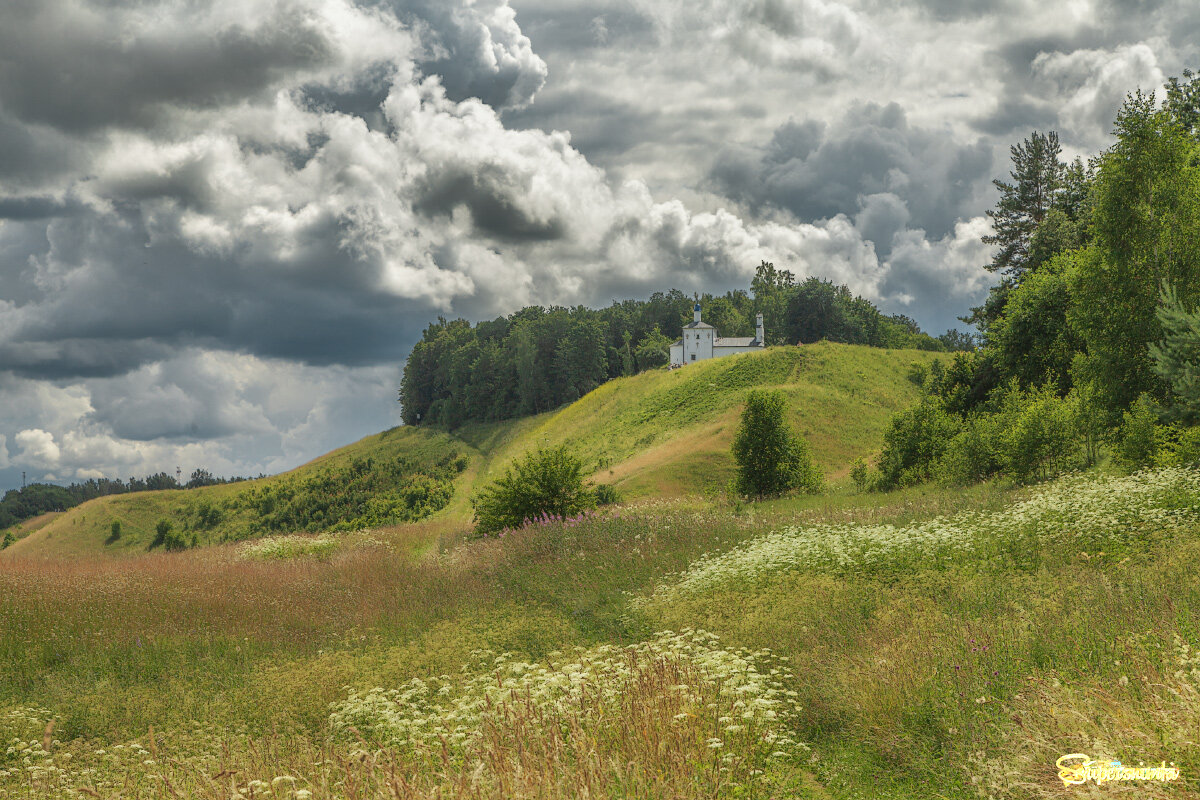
(918, 373)
(1177, 446)
(207, 515)
(8, 539)
(170, 539)
(771, 458)
(176, 541)
(543, 482)
(1187, 452)
(975, 453)
(914, 443)
(366, 494)
(860, 474)
(1044, 438)
(162, 529)
(606, 494)
(114, 532)
(1140, 437)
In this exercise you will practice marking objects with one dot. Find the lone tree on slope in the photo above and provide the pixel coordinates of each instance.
(771, 458)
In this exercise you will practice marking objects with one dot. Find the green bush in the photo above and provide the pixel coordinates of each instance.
(914, 443)
(175, 540)
(975, 453)
(1139, 438)
(364, 495)
(114, 532)
(543, 483)
(771, 458)
(1176, 446)
(918, 373)
(1044, 439)
(607, 495)
(162, 529)
(206, 515)
(1187, 451)
(8, 539)
(860, 473)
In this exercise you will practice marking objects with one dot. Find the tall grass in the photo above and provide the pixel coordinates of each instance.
(970, 677)
(676, 717)
(965, 676)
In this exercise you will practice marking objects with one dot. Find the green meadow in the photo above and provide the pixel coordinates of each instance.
(926, 642)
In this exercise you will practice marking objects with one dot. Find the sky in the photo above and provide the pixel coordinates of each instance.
(224, 223)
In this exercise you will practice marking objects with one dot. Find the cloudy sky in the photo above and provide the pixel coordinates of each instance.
(223, 223)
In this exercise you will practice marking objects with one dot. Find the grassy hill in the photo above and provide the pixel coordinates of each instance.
(669, 432)
(383, 464)
(661, 433)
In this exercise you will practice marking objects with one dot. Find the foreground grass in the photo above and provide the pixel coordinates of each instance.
(1066, 626)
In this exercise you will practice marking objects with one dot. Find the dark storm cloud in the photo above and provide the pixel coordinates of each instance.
(816, 172)
(1015, 116)
(73, 69)
(33, 154)
(494, 197)
(880, 217)
(72, 358)
(35, 207)
(951, 10)
(321, 308)
(1021, 107)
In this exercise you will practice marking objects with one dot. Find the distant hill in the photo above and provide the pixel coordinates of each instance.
(660, 433)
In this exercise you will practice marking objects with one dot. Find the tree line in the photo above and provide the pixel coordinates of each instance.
(40, 498)
(1092, 336)
(539, 358)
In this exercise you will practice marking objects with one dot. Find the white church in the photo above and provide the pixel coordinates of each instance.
(700, 341)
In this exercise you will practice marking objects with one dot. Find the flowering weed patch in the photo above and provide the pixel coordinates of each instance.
(1079, 511)
(674, 716)
(288, 547)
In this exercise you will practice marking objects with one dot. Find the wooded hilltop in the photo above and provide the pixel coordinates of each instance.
(538, 358)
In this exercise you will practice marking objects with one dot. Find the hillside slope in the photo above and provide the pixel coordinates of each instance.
(661, 433)
(339, 487)
(669, 432)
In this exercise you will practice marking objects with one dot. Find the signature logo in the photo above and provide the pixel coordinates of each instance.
(1077, 768)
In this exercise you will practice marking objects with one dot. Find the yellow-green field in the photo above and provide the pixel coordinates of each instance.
(919, 644)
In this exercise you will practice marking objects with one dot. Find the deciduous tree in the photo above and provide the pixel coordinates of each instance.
(771, 458)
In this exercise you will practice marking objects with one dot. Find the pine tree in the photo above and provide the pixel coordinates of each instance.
(1041, 182)
(1177, 355)
(1037, 174)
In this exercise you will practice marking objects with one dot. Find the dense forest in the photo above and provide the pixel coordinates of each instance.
(1092, 337)
(538, 359)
